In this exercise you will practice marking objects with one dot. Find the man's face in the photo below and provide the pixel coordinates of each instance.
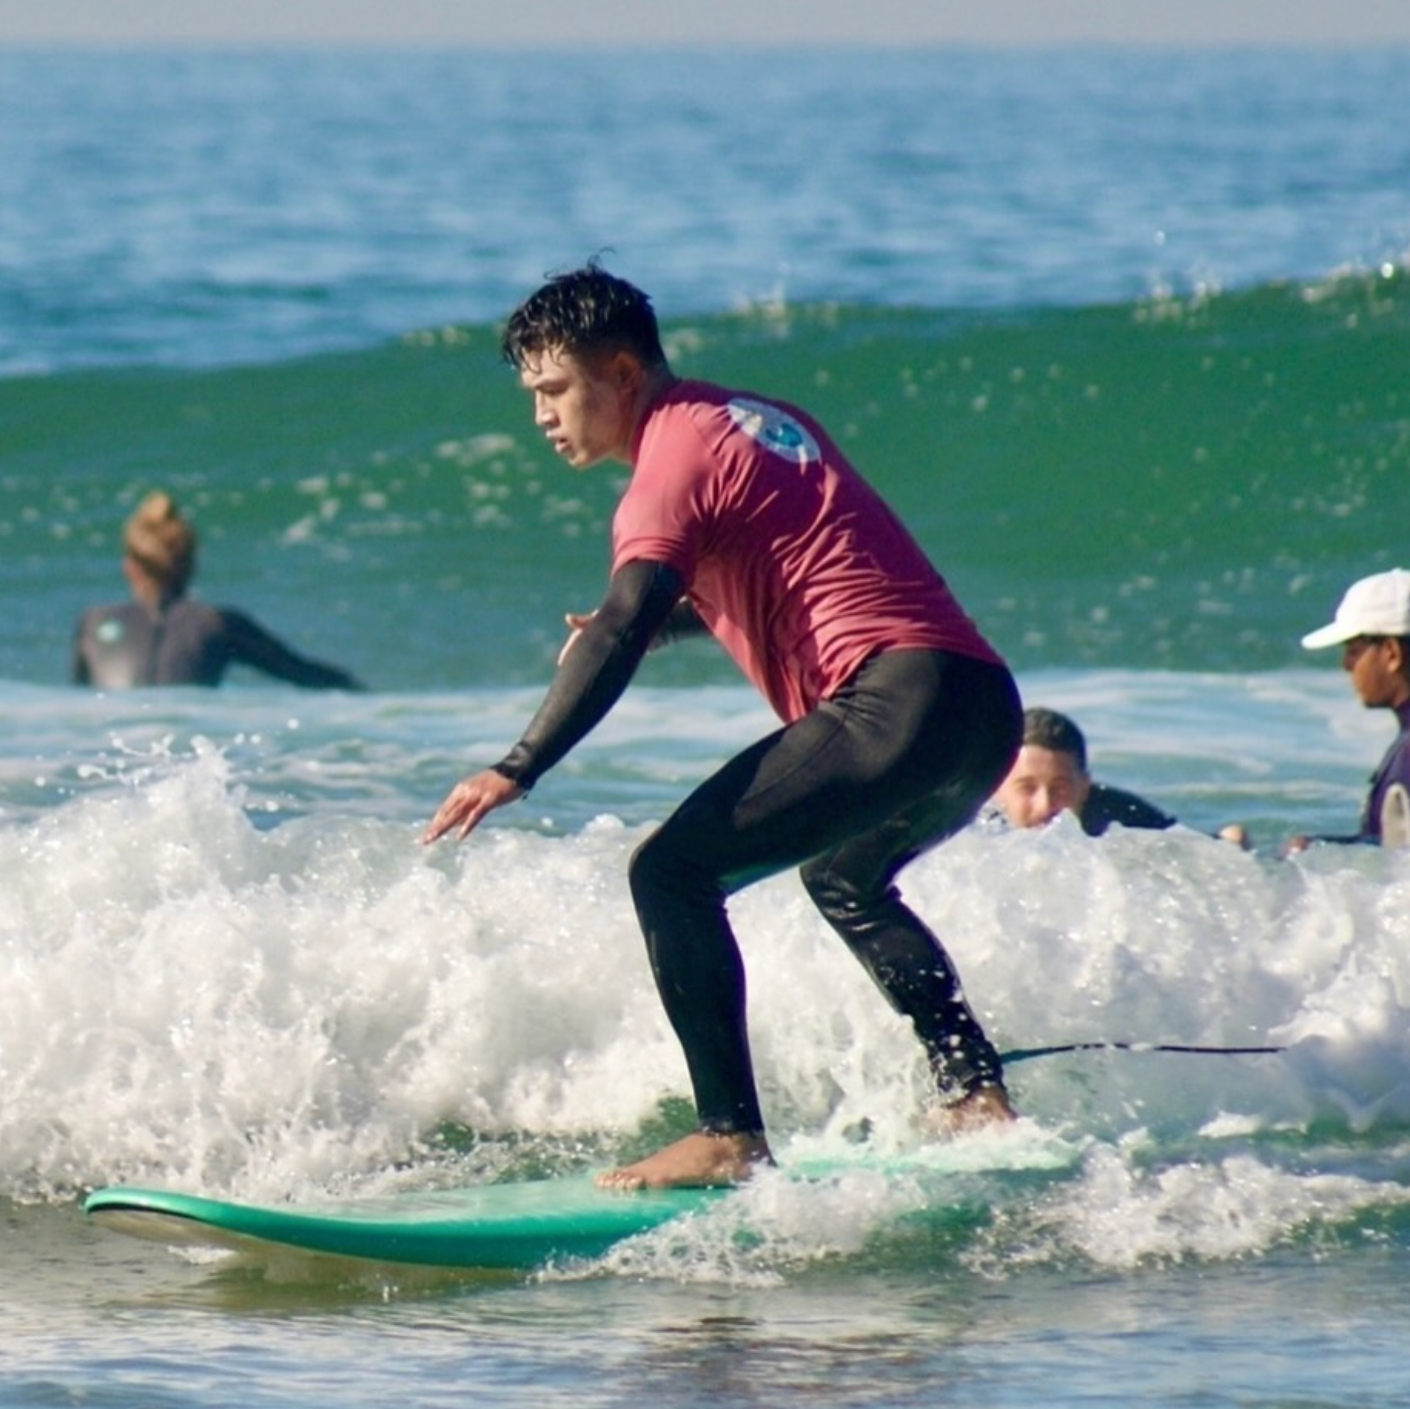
(585, 406)
(1376, 667)
(1042, 783)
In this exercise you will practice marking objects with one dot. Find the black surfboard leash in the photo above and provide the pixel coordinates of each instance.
(1024, 1054)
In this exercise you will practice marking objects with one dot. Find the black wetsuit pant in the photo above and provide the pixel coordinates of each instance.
(900, 758)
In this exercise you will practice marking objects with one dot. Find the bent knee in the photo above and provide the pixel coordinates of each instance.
(830, 890)
(647, 863)
(664, 864)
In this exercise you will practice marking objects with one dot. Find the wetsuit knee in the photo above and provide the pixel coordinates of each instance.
(656, 869)
(680, 903)
(672, 891)
(831, 893)
(846, 904)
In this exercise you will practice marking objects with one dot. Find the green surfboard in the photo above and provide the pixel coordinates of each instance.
(494, 1226)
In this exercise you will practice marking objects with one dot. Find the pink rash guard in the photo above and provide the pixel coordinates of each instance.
(790, 558)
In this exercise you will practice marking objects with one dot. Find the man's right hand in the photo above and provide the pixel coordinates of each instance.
(469, 802)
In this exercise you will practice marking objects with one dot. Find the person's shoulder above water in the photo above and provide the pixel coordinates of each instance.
(110, 644)
(1106, 806)
(1050, 776)
(162, 637)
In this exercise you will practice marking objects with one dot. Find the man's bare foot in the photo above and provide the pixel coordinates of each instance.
(700, 1160)
(980, 1109)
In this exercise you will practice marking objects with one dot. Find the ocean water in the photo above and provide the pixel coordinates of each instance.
(1124, 336)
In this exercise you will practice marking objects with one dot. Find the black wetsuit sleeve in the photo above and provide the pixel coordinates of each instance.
(250, 644)
(78, 668)
(596, 669)
(1106, 805)
(683, 623)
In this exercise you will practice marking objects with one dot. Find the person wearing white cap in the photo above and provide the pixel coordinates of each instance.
(1372, 626)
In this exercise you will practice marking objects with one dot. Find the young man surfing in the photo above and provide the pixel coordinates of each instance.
(899, 719)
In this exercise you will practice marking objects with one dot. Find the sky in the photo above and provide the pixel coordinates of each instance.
(614, 23)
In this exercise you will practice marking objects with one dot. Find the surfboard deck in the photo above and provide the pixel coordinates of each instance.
(494, 1226)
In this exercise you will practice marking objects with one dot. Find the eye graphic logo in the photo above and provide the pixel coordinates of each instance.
(774, 429)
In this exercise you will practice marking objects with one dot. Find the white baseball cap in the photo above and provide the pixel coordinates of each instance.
(1374, 606)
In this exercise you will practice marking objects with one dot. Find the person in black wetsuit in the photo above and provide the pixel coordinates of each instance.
(896, 718)
(1050, 776)
(161, 637)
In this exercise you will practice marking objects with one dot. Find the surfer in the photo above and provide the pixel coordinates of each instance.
(161, 637)
(899, 719)
(1372, 626)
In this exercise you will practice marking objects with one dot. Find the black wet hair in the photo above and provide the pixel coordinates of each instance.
(1047, 729)
(585, 312)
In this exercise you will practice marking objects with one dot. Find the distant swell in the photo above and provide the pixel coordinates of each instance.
(1174, 484)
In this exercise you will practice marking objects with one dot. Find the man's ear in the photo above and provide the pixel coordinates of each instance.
(1397, 656)
(626, 370)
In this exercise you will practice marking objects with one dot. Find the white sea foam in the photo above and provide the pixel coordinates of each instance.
(1121, 1214)
(224, 972)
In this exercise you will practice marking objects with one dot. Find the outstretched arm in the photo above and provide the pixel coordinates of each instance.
(78, 668)
(590, 679)
(252, 645)
(681, 622)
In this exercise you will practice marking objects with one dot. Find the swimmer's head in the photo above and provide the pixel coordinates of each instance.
(1049, 776)
(160, 543)
(1047, 729)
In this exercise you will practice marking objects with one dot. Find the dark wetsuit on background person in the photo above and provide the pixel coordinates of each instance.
(1050, 776)
(126, 645)
(161, 637)
(1385, 815)
(1107, 806)
(1385, 818)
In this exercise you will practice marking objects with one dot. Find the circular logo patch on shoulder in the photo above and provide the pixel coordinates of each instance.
(774, 429)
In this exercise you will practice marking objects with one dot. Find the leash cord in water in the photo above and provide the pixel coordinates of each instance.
(1023, 1054)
